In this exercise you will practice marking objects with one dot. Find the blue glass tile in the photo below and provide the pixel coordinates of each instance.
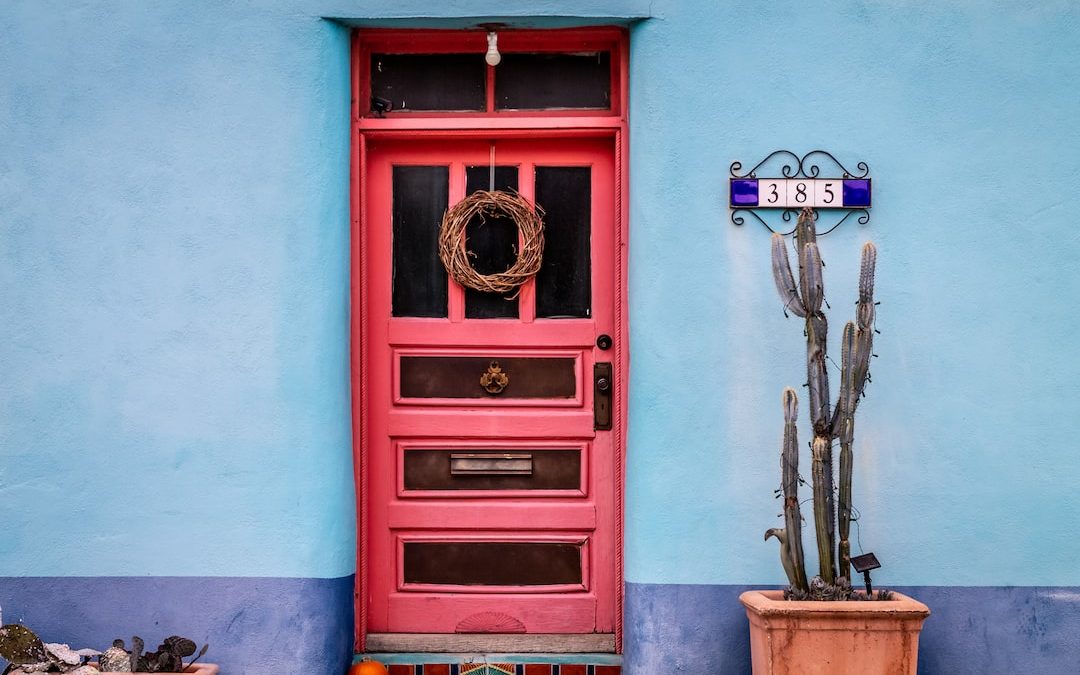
(744, 193)
(857, 193)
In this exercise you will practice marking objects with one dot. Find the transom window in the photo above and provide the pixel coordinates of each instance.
(407, 74)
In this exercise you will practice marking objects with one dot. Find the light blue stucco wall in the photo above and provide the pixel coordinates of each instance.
(174, 296)
(174, 395)
(967, 114)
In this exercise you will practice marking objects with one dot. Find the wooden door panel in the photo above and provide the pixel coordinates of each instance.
(423, 394)
(555, 469)
(514, 613)
(492, 424)
(557, 334)
(444, 378)
(490, 516)
(429, 378)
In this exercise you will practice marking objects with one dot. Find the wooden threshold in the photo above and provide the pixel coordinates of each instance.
(492, 643)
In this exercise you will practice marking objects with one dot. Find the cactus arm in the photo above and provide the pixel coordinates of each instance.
(844, 548)
(822, 516)
(810, 281)
(862, 347)
(806, 227)
(785, 281)
(805, 239)
(848, 356)
(849, 392)
(789, 468)
(817, 377)
(866, 283)
(864, 315)
(817, 327)
(845, 409)
(785, 553)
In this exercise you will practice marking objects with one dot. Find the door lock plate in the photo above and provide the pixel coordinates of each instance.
(603, 387)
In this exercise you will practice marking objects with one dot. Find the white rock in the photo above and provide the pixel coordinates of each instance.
(64, 653)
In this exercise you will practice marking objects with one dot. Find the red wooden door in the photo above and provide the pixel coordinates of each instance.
(488, 513)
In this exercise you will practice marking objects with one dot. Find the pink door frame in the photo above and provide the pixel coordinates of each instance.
(501, 127)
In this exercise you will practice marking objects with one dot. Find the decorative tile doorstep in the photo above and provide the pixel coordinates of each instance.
(503, 669)
(478, 660)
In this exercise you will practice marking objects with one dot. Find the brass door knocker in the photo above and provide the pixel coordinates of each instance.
(494, 380)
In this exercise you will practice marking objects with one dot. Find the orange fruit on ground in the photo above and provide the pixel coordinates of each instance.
(367, 667)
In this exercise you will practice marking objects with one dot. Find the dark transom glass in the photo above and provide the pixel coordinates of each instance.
(553, 81)
(430, 81)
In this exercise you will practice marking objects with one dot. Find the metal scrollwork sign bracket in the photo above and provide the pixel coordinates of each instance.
(801, 183)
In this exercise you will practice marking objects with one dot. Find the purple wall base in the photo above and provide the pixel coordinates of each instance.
(253, 625)
(272, 625)
(702, 630)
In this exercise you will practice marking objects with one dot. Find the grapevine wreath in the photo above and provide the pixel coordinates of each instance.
(485, 204)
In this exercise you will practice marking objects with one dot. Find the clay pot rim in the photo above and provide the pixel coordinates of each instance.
(772, 603)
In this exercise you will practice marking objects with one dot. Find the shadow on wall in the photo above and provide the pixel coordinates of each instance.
(253, 625)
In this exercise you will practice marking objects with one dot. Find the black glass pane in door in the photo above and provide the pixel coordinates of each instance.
(493, 243)
(420, 197)
(564, 283)
(430, 81)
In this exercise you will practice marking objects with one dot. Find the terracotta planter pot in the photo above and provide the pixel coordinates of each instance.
(833, 638)
(197, 669)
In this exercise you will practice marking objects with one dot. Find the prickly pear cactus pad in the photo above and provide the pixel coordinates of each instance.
(20, 646)
(180, 646)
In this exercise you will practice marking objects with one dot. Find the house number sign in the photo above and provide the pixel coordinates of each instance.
(790, 182)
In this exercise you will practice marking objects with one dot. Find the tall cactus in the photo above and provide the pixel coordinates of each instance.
(805, 299)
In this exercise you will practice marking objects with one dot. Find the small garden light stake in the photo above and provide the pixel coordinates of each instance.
(863, 564)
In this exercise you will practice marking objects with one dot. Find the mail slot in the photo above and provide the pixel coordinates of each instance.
(488, 464)
(470, 469)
